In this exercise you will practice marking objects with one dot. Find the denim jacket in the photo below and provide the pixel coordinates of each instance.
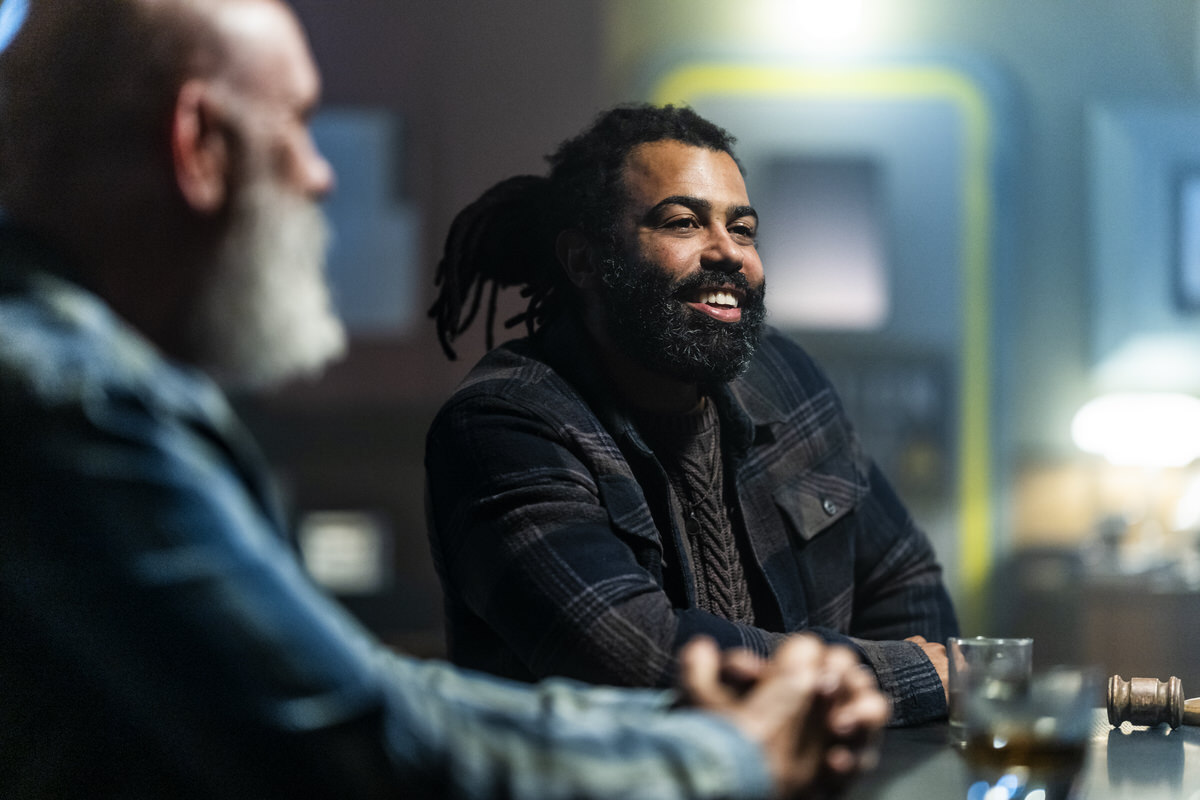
(160, 638)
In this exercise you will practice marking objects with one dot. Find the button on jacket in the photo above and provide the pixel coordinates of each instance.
(551, 525)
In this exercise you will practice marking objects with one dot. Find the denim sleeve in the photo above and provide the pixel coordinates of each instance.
(561, 739)
(139, 572)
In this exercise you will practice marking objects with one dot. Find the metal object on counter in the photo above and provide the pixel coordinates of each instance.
(1149, 701)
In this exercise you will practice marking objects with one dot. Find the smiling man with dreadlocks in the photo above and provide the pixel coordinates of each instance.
(651, 462)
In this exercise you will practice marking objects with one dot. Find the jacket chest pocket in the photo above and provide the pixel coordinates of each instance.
(821, 496)
(817, 507)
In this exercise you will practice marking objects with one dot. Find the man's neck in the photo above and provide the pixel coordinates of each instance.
(642, 388)
(146, 274)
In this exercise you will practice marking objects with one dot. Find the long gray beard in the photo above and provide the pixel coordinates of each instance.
(267, 315)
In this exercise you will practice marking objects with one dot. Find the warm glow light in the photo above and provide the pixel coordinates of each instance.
(1147, 429)
(1187, 512)
(819, 25)
(832, 20)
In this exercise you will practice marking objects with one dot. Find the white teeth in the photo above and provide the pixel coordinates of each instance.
(719, 299)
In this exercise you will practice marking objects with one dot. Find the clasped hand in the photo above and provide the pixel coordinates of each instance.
(815, 710)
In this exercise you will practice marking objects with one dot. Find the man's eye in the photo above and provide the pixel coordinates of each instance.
(744, 232)
(681, 222)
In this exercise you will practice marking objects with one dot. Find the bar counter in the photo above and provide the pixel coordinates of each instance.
(1130, 763)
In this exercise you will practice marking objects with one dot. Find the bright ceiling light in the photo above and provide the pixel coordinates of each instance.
(1140, 429)
(823, 25)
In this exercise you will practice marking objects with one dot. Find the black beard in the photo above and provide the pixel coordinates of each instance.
(648, 322)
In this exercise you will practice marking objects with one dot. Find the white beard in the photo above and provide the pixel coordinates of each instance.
(267, 315)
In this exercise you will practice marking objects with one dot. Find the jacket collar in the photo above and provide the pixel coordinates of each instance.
(122, 357)
(572, 353)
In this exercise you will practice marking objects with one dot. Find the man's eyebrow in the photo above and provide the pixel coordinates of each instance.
(743, 211)
(685, 200)
(699, 204)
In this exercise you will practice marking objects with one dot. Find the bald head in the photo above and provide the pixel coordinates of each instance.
(83, 85)
(88, 88)
(163, 146)
(242, 25)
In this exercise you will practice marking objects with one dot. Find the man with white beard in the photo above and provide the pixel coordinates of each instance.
(159, 638)
(269, 277)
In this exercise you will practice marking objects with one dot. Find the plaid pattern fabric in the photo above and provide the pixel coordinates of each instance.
(161, 640)
(551, 527)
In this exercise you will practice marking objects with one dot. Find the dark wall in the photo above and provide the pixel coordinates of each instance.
(484, 90)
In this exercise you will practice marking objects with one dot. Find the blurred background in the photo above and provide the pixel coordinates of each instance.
(982, 217)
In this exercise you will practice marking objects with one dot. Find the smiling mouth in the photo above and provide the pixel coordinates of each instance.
(721, 298)
(723, 304)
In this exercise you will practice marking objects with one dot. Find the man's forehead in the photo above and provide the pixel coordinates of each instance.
(268, 49)
(654, 170)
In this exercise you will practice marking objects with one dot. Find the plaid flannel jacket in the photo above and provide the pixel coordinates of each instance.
(551, 528)
(160, 638)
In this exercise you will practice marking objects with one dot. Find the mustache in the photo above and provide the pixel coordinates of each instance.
(754, 295)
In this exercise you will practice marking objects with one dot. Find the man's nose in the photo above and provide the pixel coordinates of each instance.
(319, 176)
(316, 174)
(723, 253)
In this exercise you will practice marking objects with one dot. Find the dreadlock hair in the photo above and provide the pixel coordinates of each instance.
(507, 237)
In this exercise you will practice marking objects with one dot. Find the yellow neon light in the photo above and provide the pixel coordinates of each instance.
(688, 83)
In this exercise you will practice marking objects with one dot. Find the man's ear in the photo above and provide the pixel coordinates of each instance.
(200, 148)
(577, 257)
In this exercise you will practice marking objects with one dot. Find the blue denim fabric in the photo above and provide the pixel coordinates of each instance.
(158, 637)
